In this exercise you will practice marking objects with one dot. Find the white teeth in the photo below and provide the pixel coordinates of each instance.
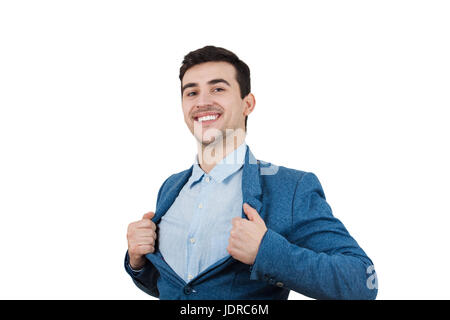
(206, 118)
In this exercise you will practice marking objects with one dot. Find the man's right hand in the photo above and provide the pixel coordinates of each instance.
(141, 237)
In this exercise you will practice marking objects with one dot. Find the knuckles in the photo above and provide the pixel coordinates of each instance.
(134, 235)
(144, 223)
(141, 236)
(236, 221)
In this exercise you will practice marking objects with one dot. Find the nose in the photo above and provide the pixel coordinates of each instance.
(203, 99)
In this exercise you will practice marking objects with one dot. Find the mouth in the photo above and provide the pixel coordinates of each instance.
(207, 118)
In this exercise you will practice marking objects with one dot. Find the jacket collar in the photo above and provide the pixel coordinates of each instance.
(251, 187)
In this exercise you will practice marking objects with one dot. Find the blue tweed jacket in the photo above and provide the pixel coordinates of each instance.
(305, 249)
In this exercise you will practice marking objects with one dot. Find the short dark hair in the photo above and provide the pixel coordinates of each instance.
(212, 53)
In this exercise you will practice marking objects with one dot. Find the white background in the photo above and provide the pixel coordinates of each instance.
(91, 125)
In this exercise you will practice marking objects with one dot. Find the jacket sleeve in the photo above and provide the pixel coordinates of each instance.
(146, 278)
(320, 260)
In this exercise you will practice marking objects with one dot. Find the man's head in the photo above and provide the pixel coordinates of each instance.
(215, 83)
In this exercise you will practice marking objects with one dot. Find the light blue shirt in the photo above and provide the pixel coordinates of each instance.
(194, 232)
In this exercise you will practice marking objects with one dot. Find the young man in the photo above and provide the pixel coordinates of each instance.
(231, 226)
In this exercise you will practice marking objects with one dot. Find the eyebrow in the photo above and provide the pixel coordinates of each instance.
(213, 81)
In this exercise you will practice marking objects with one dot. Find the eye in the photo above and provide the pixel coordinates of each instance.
(221, 89)
(189, 93)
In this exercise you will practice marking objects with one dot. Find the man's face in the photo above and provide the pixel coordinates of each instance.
(211, 101)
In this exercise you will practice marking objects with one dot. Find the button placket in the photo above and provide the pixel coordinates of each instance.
(194, 227)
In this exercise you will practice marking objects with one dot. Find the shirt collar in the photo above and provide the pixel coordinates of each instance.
(223, 169)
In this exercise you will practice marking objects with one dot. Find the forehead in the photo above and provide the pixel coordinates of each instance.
(203, 72)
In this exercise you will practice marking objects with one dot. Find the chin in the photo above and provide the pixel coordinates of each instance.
(210, 141)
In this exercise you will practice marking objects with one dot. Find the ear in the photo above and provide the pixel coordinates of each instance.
(249, 104)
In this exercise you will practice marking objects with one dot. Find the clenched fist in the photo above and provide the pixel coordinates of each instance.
(141, 237)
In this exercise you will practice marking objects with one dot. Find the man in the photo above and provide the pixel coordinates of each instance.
(231, 226)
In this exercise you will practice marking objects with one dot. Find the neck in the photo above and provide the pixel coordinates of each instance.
(213, 153)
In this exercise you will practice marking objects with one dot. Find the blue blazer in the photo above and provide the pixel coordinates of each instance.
(305, 248)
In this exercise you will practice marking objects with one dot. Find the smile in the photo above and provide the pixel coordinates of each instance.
(207, 119)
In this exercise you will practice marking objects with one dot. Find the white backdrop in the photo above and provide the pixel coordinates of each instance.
(91, 125)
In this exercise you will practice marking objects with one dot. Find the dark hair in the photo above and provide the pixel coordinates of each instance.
(212, 53)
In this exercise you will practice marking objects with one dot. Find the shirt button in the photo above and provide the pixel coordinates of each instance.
(200, 206)
(190, 277)
(207, 179)
(280, 284)
(192, 240)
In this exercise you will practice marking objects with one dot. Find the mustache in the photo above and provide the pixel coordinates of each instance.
(210, 109)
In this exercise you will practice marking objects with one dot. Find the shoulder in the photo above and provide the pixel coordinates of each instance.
(177, 176)
(173, 179)
(277, 176)
(273, 173)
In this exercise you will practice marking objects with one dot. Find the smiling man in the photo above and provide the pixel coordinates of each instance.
(231, 226)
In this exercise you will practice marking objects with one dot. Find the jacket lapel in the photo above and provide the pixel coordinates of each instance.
(166, 201)
(251, 183)
(169, 196)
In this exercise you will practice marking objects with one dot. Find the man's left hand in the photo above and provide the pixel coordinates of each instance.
(246, 235)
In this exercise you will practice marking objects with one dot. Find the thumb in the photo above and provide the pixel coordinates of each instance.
(148, 215)
(251, 213)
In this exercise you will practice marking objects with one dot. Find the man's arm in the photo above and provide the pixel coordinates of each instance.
(146, 278)
(321, 260)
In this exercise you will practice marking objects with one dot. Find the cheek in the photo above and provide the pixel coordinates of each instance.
(232, 108)
(185, 110)
(236, 113)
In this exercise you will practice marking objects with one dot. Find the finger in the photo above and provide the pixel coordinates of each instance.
(144, 233)
(251, 213)
(235, 252)
(145, 224)
(235, 221)
(236, 238)
(144, 243)
(144, 249)
(148, 215)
